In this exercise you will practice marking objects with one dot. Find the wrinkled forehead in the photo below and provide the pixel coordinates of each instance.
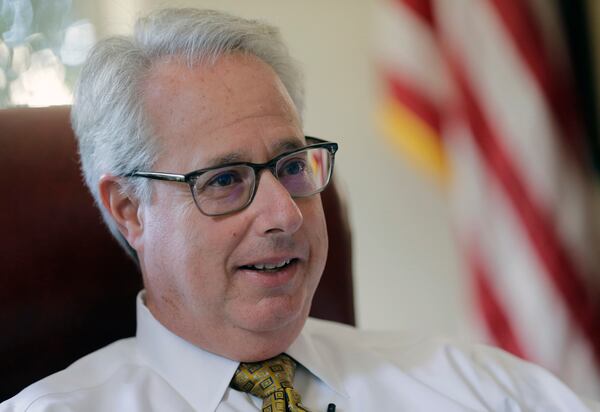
(231, 107)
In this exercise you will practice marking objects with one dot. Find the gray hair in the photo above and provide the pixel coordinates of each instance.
(108, 116)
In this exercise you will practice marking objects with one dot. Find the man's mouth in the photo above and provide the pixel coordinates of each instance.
(270, 267)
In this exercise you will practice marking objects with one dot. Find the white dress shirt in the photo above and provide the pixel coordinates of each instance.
(357, 371)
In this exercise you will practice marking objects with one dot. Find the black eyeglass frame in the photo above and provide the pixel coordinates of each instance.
(190, 178)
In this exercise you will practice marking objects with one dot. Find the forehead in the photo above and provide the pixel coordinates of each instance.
(237, 104)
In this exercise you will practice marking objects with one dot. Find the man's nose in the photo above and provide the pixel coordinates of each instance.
(277, 211)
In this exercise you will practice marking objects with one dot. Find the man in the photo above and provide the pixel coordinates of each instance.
(191, 142)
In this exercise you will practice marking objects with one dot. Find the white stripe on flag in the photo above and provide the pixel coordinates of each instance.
(407, 46)
(507, 92)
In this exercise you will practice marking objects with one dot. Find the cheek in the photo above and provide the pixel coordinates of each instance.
(170, 239)
(201, 256)
(316, 229)
(169, 235)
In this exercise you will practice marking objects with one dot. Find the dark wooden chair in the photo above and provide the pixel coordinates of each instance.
(66, 286)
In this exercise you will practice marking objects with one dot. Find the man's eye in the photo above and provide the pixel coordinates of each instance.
(293, 167)
(224, 179)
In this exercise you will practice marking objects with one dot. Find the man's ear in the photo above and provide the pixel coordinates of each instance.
(123, 208)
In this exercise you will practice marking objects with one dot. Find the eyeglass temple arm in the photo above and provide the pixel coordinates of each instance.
(171, 177)
(332, 148)
(315, 140)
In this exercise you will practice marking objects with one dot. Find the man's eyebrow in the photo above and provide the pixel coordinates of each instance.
(233, 157)
(289, 144)
(282, 146)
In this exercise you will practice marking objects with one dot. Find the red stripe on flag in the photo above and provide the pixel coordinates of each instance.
(422, 8)
(496, 320)
(526, 35)
(537, 224)
(417, 102)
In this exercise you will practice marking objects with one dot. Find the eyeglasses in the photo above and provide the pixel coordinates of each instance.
(228, 188)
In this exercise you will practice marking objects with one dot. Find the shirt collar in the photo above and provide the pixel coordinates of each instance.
(202, 377)
(304, 351)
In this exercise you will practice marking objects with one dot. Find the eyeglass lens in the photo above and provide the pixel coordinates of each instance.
(231, 188)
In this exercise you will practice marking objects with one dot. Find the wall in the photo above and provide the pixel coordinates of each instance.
(407, 273)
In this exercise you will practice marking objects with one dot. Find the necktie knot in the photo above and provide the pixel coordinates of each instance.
(270, 380)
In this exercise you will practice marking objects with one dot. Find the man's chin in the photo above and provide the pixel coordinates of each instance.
(271, 337)
(274, 315)
(262, 332)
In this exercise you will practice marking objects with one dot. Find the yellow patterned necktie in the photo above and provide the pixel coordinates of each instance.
(270, 380)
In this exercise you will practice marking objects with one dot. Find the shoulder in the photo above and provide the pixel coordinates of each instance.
(411, 351)
(349, 338)
(475, 375)
(87, 374)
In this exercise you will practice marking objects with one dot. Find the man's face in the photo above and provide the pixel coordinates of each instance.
(199, 271)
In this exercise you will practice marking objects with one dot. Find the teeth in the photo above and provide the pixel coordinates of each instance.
(270, 267)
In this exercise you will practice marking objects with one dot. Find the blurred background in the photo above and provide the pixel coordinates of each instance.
(469, 151)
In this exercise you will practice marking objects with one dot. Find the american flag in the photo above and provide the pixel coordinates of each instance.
(481, 93)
